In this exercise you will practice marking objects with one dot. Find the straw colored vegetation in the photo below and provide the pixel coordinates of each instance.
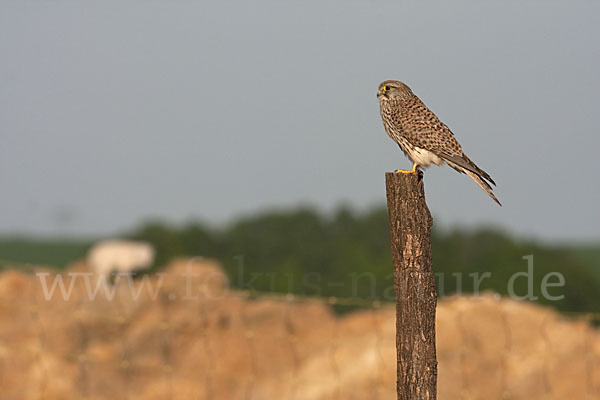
(199, 340)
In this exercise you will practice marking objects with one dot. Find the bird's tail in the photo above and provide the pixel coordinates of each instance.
(482, 184)
(466, 166)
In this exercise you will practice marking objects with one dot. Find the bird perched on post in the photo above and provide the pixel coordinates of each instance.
(422, 136)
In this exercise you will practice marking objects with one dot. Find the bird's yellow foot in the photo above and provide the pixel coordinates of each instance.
(403, 171)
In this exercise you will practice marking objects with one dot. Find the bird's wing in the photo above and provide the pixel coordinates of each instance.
(422, 128)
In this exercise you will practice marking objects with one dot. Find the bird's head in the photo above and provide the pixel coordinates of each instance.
(390, 90)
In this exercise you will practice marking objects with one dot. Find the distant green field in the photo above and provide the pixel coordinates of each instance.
(55, 253)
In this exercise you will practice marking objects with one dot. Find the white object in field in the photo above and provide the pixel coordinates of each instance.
(122, 256)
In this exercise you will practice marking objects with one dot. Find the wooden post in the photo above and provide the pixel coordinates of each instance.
(414, 284)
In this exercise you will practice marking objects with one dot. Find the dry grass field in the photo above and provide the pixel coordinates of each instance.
(196, 339)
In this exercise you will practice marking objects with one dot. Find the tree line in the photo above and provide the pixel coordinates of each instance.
(347, 254)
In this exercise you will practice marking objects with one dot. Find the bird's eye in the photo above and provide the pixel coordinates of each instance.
(386, 88)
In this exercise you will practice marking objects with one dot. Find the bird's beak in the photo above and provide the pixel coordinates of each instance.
(379, 93)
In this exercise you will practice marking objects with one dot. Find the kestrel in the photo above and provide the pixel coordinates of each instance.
(422, 136)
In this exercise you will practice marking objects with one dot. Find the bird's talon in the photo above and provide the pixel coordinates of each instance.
(413, 170)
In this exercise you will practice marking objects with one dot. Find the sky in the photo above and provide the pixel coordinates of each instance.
(112, 113)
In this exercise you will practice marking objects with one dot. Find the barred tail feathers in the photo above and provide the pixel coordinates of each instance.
(483, 184)
(476, 174)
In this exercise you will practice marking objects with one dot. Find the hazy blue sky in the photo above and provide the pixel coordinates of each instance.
(117, 111)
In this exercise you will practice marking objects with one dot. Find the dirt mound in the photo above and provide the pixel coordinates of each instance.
(185, 335)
